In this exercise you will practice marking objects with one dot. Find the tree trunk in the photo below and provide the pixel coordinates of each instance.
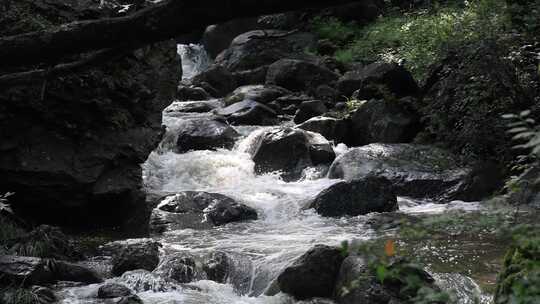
(162, 21)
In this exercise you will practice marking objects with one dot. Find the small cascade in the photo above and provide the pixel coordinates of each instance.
(195, 59)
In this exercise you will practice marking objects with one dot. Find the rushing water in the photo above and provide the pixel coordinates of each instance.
(260, 248)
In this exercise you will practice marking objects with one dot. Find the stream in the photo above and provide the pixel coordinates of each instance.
(260, 249)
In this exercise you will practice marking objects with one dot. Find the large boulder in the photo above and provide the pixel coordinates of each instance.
(258, 48)
(259, 93)
(75, 148)
(331, 128)
(312, 275)
(218, 37)
(299, 75)
(113, 290)
(418, 171)
(216, 80)
(192, 209)
(248, 112)
(205, 134)
(309, 109)
(143, 254)
(290, 151)
(356, 197)
(377, 80)
(383, 121)
(180, 108)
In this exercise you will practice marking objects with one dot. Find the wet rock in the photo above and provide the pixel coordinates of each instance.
(251, 77)
(183, 107)
(376, 80)
(248, 112)
(205, 134)
(293, 99)
(363, 286)
(64, 271)
(356, 197)
(299, 75)
(133, 299)
(178, 267)
(259, 93)
(313, 274)
(34, 294)
(217, 266)
(113, 290)
(142, 280)
(52, 243)
(327, 94)
(258, 48)
(309, 109)
(417, 171)
(204, 210)
(383, 121)
(317, 301)
(143, 254)
(290, 151)
(218, 37)
(331, 128)
(44, 295)
(218, 78)
(184, 93)
(28, 270)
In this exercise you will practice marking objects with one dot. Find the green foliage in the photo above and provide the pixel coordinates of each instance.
(421, 37)
(526, 132)
(333, 29)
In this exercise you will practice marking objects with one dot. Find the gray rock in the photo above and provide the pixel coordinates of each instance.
(219, 79)
(356, 197)
(299, 75)
(133, 299)
(331, 128)
(142, 280)
(28, 270)
(314, 274)
(191, 93)
(143, 254)
(113, 290)
(248, 112)
(218, 37)
(205, 134)
(309, 109)
(217, 266)
(417, 171)
(259, 93)
(178, 267)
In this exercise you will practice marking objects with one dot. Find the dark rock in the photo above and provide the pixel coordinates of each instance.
(76, 149)
(194, 208)
(20, 295)
(258, 48)
(382, 121)
(133, 299)
(298, 75)
(357, 197)
(184, 93)
(64, 271)
(359, 12)
(326, 47)
(218, 37)
(377, 80)
(331, 128)
(189, 107)
(293, 99)
(363, 286)
(281, 21)
(251, 77)
(217, 266)
(290, 151)
(52, 243)
(290, 109)
(44, 295)
(143, 254)
(248, 112)
(113, 290)
(327, 94)
(27, 270)
(143, 280)
(317, 301)
(313, 274)
(179, 267)
(309, 109)
(259, 93)
(219, 78)
(417, 171)
(205, 134)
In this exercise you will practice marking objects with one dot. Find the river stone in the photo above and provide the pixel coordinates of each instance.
(418, 171)
(218, 79)
(383, 121)
(356, 197)
(184, 93)
(217, 266)
(182, 107)
(259, 93)
(309, 109)
(143, 254)
(113, 290)
(298, 75)
(27, 270)
(205, 210)
(313, 274)
(178, 267)
(133, 299)
(39, 295)
(290, 151)
(205, 134)
(331, 128)
(218, 37)
(248, 112)
(258, 48)
(65, 271)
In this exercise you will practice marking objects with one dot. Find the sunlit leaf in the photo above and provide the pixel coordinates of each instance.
(390, 248)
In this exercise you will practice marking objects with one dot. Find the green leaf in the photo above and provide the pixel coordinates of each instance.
(382, 271)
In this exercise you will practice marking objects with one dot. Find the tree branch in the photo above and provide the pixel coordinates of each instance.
(159, 22)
